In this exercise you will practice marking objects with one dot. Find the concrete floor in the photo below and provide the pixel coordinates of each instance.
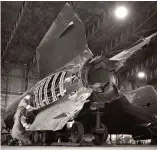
(86, 148)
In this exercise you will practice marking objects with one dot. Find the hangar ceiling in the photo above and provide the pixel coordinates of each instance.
(25, 23)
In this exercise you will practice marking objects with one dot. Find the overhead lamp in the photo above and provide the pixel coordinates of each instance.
(121, 12)
(141, 75)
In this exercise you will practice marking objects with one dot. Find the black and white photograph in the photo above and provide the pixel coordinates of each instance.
(78, 74)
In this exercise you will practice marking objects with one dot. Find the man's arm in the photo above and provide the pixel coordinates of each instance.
(24, 122)
(30, 108)
(25, 103)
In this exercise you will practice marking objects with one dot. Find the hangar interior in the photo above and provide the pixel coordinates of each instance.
(24, 24)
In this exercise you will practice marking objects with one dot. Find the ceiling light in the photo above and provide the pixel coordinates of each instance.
(121, 12)
(141, 74)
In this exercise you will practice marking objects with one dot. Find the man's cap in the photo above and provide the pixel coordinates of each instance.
(29, 94)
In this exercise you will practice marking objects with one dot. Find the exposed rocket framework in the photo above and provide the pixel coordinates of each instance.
(66, 93)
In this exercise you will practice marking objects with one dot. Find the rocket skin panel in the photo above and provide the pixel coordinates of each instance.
(64, 40)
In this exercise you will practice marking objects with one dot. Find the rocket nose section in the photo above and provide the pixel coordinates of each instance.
(65, 39)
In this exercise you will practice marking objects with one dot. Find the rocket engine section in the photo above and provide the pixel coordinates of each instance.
(99, 70)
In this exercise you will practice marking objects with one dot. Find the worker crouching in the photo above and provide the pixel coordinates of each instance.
(21, 125)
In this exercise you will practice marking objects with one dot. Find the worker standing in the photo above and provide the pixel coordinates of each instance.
(20, 124)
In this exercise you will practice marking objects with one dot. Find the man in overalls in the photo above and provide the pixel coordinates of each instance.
(20, 124)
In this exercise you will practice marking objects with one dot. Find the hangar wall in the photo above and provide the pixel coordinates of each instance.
(15, 80)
